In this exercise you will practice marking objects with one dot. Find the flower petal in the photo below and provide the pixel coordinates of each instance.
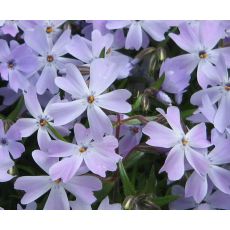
(57, 199)
(174, 163)
(197, 187)
(160, 136)
(72, 109)
(99, 123)
(34, 186)
(66, 168)
(115, 101)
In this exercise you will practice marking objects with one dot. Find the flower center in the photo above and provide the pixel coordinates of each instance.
(11, 64)
(109, 51)
(134, 130)
(58, 181)
(43, 122)
(203, 55)
(3, 141)
(50, 58)
(184, 141)
(227, 87)
(82, 149)
(49, 29)
(90, 99)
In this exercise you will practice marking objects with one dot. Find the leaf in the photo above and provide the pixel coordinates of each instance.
(157, 84)
(187, 113)
(13, 115)
(133, 158)
(127, 185)
(2, 117)
(162, 201)
(151, 182)
(137, 103)
(102, 54)
(56, 133)
(106, 188)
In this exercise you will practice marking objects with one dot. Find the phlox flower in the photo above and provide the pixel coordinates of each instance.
(137, 31)
(9, 142)
(81, 187)
(197, 186)
(182, 144)
(218, 101)
(91, 98)
(213, 200)
(199, 41)
(40, 119)
(99, 156)
(17, 64)
(87, 51)
(50, 57)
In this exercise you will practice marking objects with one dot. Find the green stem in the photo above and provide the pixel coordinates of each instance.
(56, 133)
(13, 115)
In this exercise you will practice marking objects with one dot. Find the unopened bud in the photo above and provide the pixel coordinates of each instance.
(163, 98)
(12, 171)
(145, 103)
(152, 64)
(161, 54)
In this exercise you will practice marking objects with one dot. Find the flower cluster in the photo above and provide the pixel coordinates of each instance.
(123, 114)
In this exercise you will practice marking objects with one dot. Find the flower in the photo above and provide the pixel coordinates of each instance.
(176, 80)
(218, 93)
(215, 200)
(50, 57)
(181, 144)
(137, 37)
(129, 135)
(105, 205)
(100, 46)
(17, 64)
(197, 186)
(92, 98)
(99, 156)
(9, 142)
(40, 120)
(81, 187)
(199, 41)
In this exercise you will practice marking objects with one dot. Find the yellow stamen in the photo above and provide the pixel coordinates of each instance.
(43, 122)
(10, 65)
(184, 141)
(91, 99)
(203, 55)
(58, 181)
(49, 29)
(82, 149)
(50, 58)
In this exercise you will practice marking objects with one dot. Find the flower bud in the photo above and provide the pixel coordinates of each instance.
(161, 54)
(163, 98)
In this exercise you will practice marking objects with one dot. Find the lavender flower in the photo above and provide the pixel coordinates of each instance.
(218, 93)
(196, 185)
(215, 200)
(9, 142)
(105, 205)
(40, 120)
(101, 45)
(137, 37)
(182, 144)
(50, 57)
(92, 99)
(99, 156)
(17, 63)
(81, 187)
(199, 42)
